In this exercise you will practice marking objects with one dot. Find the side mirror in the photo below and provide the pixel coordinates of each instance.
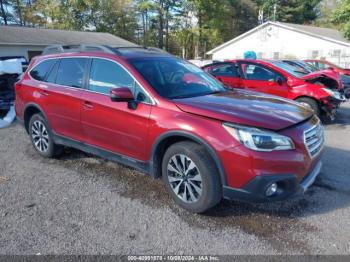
(279, 80)
(122, 94)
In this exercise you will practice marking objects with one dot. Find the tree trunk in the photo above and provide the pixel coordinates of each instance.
(167, 29)
(200, 25)
(19, 11)
(144, 28)
(3, 13)
(160, 26)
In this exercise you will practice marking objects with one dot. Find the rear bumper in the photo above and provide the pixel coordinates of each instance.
(288, 186)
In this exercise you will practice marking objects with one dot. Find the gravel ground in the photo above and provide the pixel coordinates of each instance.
(79, 204)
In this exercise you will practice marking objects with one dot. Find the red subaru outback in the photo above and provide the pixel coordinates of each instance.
(164, 116)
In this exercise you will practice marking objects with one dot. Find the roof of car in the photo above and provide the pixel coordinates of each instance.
(127, 52)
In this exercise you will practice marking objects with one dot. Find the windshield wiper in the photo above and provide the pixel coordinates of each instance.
(195, 95)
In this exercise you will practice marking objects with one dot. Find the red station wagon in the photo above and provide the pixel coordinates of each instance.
(322, 93)
(165, 117)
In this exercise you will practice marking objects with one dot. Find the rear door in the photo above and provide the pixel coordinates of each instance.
(64, 92)
(262, 79)
(226, 73)
(114, 126)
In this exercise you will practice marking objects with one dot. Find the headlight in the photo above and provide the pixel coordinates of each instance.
(329, 91)
(259, 140)
(332, 93)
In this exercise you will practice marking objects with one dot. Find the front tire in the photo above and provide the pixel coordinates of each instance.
(42, 138)
(191, 177)
(311, 103)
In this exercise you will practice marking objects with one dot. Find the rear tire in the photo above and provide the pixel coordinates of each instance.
(191, 177)
(311, 103)
(42, 137)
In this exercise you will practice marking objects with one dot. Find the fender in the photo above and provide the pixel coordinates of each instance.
(193, 137)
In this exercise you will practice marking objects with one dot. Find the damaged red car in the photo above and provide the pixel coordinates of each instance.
(321, 92)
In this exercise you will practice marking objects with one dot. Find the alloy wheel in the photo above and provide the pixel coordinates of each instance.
(184, 178)
(40, 136)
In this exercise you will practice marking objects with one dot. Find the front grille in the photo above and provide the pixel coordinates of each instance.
(314, 139)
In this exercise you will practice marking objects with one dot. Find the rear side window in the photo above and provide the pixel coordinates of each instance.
(51, 77)
(40, 71)
(224, 70)
(71, 72)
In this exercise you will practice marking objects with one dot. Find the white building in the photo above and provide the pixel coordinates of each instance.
(275, 40)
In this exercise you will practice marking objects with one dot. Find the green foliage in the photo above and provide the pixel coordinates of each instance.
(341, 17)
(292, 11)
(188, 28)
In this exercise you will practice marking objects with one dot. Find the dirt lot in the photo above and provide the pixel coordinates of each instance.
(80, 204)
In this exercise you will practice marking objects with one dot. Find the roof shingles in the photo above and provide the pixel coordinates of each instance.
(36, 36)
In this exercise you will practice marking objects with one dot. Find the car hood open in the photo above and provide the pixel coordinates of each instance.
(247, 108)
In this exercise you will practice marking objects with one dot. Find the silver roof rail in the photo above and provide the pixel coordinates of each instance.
(57, 49)
(117, 50)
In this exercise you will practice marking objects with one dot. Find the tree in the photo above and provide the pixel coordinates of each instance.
(325, 14)
(144, 8)
(5, 15)
(341, 17)
(18, 6)
(292, 11)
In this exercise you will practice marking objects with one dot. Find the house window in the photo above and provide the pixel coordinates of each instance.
(260, 55)
(315, 54)
(276, 55)
(336, 53)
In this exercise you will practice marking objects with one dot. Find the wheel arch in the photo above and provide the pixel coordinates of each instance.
(29, 110)
(169, 138)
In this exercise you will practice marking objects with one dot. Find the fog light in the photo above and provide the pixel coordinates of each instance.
(271, 190)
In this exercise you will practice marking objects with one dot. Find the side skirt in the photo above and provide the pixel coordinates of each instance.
(141, 166)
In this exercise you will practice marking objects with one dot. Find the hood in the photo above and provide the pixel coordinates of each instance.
(247, 108)
(329, 73)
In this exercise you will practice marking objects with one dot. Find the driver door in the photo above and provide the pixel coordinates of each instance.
(114, 126)
(262, 79)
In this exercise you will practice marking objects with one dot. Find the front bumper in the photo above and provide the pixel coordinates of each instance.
(288, 186)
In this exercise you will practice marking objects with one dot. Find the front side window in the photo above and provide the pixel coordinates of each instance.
(71, 72)
(106, 75)
(174, 78)
(224, 70)
(40, 71)
(257, 72)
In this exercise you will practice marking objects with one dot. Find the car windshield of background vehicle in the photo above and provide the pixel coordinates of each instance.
(174, 78)
(307, 66)
(289, 69)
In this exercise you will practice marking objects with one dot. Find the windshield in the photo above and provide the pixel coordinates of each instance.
(174, 78)
(295, 71)
(307, 66)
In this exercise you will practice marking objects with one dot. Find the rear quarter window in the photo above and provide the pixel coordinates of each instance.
(40, 71)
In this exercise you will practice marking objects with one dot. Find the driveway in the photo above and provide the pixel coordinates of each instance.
(80, 204)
